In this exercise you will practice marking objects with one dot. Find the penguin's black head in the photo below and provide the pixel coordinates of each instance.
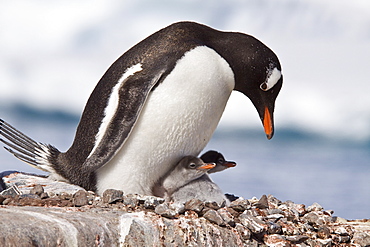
(257, 73)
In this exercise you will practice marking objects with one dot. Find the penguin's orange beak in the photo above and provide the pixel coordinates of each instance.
(268, 124)
(229, 164)
(207, 166)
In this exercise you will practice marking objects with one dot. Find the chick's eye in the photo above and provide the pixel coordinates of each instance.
(220, 161)
(192, 165)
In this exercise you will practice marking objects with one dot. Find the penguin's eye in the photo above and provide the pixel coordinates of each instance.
(192, 165)
(273, 76)
(220, 161)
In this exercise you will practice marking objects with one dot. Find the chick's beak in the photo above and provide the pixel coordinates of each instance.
(230, 164)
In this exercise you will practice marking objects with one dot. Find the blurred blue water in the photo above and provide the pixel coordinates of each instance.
(294, 165)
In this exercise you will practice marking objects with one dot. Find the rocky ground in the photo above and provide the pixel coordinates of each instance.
(266, 221)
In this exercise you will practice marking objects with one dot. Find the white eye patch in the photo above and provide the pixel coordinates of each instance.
(272, 78)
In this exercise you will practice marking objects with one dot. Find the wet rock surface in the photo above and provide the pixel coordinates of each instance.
(36, 212)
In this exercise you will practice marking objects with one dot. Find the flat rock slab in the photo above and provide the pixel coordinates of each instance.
(38, 226)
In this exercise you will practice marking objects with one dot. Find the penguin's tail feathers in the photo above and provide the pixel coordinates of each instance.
(36, 154)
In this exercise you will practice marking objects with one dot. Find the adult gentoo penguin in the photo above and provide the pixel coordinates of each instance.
(160, 101)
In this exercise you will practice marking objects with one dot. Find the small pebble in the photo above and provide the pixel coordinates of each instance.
(2, 198)
(240, 204)
(65, 196)
(297, 239)
(226, 216)
(44, 195)
(212, 216)
(212, 205)
(323, 232)
(243, 231)
(315, 207)
(151, 202)
(195, 205)
(80, 198)
(112, 196)
(165, 211)
(276, 240)
(361, 238)
(262, 203)
(129, 200)
(273, 228)
(37, 190)
(252, 223)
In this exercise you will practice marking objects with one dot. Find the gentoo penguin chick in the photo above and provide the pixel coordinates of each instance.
(217, 158)
(202, 188)
(188, 169)
(161, 100)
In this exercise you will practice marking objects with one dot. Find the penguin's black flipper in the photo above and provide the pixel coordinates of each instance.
(132, 97)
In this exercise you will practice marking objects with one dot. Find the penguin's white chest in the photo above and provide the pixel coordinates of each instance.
(178, 119)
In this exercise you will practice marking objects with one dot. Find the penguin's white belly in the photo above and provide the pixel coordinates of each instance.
(178, 119)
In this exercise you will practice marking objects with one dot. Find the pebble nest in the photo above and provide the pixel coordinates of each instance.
(267, 221)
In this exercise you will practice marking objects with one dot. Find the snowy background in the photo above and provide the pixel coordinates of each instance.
(53, 53)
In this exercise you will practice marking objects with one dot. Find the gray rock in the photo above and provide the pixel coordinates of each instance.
(2, 198)
(273, 228)
(275, 211)
(244, 232)
(297, 239)
(273, 201)
(275, 216)
(226, 216)
(240, 204)
(195, 205)
(252, 223)
(37, 190)
(325, 242)
(44, 195)
(214, 217)
(165, 211)
(276, 240)
(130, 200)
(213, 205)
(262, 203)
(65, 195)
(112, 196)
(315, 207)
(80, 198)
(341, 239)
(323, 232)
(311, 218)
(361, 238)
(150, 202)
